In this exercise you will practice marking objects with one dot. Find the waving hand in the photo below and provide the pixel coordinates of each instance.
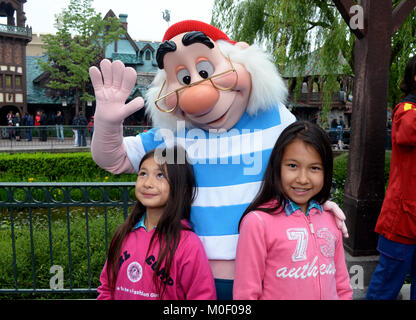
(112, 87)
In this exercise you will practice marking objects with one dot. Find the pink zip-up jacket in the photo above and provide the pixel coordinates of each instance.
(290, 257)
(190, 274)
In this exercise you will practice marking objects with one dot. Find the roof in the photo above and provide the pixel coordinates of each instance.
(34, 73)
(126, 58)
(130, 52)
(37, 95)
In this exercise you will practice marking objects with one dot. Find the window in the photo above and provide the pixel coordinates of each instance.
(18, 80)
(147, 55)
(8, 81)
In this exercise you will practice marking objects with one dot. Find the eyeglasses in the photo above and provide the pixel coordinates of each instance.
(214, 79)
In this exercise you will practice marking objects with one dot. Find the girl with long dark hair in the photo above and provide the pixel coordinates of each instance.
(290, 247)
(155, 254)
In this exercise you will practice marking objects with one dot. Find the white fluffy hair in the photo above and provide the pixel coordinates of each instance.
(268, 89)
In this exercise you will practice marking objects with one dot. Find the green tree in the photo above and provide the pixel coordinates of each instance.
(81, 38)
(291, 29)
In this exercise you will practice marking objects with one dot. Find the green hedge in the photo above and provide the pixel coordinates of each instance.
(340, 175)
(50, 167)
(75, 167)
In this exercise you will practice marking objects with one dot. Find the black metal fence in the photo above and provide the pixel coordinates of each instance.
(333, 137)
(46, 137)
(17, 138)
(30, 217)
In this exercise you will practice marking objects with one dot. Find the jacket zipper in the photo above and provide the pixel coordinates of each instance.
(312, 230)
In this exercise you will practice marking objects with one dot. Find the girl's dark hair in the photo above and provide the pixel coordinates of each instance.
(408, 84)
(271, 186)
(182, 183)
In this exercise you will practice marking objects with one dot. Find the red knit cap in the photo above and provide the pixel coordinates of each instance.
(194, 25)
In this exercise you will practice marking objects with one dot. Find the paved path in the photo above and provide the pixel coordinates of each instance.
(51, 145)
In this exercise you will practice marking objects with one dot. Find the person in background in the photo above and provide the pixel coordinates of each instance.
(389, 123)
(396, 224)
(82, 130)
(59, 122)
(37, 118)
(75, 130)
(290, 247)
(10, 129)
(37, 123)
(43, 122)
(155, 254)
(341, 122)
(9, 117)
(16, 123)
(28, 122)
(91, 126)
(334, 124)
(340, 133)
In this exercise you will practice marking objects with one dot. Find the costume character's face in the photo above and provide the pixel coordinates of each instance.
(207, 88)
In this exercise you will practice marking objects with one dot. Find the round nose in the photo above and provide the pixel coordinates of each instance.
(198, 99)
(302, 177)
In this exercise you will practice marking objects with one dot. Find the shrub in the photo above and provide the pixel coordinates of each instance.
(340, 175)
(49, 167)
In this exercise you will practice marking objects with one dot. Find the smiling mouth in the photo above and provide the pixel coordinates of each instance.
(148, 195)
(300, 191)
(219, 119)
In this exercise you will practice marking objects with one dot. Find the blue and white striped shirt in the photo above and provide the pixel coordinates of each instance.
(228, 166)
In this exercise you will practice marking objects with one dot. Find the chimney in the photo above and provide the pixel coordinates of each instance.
(123, 20)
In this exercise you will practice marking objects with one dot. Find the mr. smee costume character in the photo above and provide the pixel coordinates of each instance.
(223, 101)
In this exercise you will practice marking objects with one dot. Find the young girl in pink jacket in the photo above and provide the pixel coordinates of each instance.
(289, 247)
(154, 254)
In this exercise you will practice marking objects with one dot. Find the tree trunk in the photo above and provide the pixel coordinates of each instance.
(76, 102)
(364, 187)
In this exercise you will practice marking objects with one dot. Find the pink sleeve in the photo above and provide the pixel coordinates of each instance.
(108, 150)
(342, 276)
(195, 273)
(104, 291)
(250, 258)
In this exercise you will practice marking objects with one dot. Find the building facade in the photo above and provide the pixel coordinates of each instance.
(140, 55)
(306, 104)
(14, 37)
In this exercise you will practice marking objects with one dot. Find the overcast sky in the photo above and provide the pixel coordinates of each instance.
(145, 19)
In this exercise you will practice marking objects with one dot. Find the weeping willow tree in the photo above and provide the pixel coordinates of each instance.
(380, 45)
(291, 29)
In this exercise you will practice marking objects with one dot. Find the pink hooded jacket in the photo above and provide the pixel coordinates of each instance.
(190, 274)
(290, 257)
